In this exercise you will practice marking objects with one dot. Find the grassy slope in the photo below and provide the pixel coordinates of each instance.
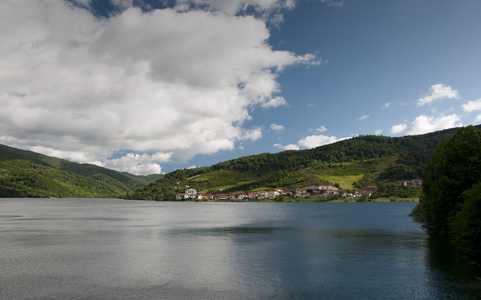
(29, 174)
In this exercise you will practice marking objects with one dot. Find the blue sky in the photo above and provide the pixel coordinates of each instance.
(150, 86)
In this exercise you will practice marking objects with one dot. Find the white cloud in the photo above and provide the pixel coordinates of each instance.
(133, 163)
(70, 155)
(424, 124)
(176, 84)
(438, 92)
(478, 118)
(82, 3)
(274, 102)
(288, 147)
(252, 135)
(317, 140)
(386, 105)
(378, 132)
(472, 105)
(363, 117)
(231, 7)
(269, 9)
(277, 128)
(312, 141)
(400, 128)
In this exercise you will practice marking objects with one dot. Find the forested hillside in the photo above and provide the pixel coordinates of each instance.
(29, 174)
(374, 160)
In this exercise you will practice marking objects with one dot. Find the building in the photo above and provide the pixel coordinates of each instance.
(191, 192)
(180, 196)
(221, 197)
(413, 183)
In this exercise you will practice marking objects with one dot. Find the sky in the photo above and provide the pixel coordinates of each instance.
(150, 86)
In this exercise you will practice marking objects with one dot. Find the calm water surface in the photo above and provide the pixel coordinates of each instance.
(107, 248)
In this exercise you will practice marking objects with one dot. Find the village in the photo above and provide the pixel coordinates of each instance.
(312, 191)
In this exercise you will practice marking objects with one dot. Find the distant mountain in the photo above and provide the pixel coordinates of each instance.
(353, 163)
(152, 178)
(29, 174)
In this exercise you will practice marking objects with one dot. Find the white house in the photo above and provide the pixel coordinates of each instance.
(191, 192)
(273, 195)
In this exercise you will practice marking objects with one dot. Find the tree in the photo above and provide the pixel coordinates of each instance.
(453, 169)
(452, 187)
(466, 225)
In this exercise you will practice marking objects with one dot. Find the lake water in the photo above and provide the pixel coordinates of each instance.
(115, 249)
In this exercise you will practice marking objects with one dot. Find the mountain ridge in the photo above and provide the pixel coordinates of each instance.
(351, 163)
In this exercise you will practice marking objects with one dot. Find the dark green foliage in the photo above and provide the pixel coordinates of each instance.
(465, 226)
(452, 186)
(453, 169)
(408, 166)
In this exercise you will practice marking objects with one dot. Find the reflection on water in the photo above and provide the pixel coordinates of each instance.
(105, 248)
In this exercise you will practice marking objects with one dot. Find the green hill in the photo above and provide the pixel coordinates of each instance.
(353, 163)
(29, 174)
(152, 178)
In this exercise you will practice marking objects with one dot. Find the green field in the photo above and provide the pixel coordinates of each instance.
(344, 181)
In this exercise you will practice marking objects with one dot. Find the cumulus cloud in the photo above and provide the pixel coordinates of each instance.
(472, 106)
(251, 135)
(134, 163)
(276, 128)
(386, 105)
(313, 141)
(165, 83)
(425, 124)
(378, 132)
(274, 102)
(438, 92)
(363, 117)
(232, 7)
(399, 128)
(287, 147)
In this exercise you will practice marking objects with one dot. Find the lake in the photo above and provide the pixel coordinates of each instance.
(116, 249)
